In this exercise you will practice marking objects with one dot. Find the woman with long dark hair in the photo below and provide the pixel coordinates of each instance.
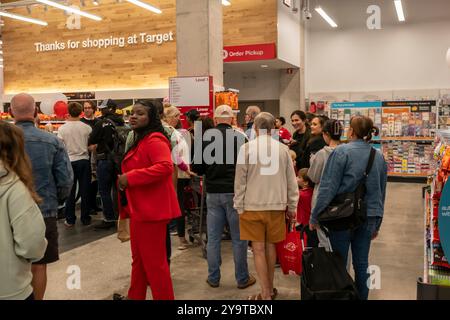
(316, 141)
(151, 201)
(22, 227)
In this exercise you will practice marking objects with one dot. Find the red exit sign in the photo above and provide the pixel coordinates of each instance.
(249, 52)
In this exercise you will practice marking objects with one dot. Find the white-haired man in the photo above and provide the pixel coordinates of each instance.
(265, 189)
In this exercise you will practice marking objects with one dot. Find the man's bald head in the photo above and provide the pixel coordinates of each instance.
(23, 107)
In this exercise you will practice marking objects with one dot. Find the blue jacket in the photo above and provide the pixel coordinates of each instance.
(52, 171)
(343, 172)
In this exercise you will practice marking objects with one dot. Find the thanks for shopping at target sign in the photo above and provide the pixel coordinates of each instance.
(104, 43)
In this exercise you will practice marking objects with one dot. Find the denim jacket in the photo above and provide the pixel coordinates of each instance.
(52, 171)
(343, 171)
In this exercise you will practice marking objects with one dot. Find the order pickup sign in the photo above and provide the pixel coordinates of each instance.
(249, 52)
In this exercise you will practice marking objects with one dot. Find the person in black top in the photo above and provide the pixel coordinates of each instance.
(219, 184)
(316, 142)
(89, 109)
(102, 140)
(301, 135)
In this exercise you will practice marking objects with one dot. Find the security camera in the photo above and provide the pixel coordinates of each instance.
(307, 15)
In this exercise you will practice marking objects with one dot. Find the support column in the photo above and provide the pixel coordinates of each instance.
(292, 85)
(200, 39)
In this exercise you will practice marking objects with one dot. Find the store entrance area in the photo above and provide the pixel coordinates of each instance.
(105, 264)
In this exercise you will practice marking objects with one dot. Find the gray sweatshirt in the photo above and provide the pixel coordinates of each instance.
(317, 165)
(22, 237)
(265, 177)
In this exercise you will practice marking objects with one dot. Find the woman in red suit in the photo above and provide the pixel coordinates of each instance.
(151, 202)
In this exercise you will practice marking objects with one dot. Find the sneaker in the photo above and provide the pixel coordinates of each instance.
(212, 285)
(105, 225)
(69, 225)
(250, 281)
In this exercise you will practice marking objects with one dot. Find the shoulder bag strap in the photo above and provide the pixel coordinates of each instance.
(371, 160)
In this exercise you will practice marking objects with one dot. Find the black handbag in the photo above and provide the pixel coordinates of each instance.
(325, 277)
(348, 210)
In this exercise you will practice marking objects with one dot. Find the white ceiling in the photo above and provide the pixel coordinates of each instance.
(352, 13)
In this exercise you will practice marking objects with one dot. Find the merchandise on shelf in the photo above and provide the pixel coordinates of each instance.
(408, 157)
(229, 98)
(444, 117)
(409, 119)
(346, 110)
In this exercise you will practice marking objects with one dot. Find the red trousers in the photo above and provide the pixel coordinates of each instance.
(149, 266)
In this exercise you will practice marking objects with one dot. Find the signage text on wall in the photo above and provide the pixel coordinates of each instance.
(103, 43)
(249, 52)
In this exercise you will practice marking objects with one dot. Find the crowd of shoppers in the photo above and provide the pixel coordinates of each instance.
(257, 181)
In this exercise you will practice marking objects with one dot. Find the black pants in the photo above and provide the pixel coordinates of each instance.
(92, 200)
(30, 297)
(181, 221)
(82, 176)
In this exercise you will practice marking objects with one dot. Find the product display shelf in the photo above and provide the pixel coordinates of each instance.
(444, 115)
(435, 282)
(422, 139)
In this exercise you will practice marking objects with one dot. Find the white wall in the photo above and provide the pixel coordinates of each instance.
(288, 34)
(261, 85)
(407, 57)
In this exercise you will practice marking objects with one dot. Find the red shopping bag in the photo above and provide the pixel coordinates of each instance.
(289, 252)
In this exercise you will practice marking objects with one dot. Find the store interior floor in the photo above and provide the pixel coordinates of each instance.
(105, 263)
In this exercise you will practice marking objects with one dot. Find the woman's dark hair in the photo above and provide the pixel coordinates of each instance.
(207, 123)
(301, 114)
(282, 120)
(322, 119)
(310, 116)
(333, 128)
(363, 128)
(154, 123)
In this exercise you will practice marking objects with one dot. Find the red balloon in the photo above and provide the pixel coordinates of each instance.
(60, 109)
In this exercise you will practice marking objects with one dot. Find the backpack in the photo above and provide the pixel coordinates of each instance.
(120, 134)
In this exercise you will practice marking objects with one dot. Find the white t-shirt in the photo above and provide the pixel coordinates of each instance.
(75, 136)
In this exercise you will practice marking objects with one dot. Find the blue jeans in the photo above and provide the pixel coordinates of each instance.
(82, 176)
(106, 179)
(359, 240)
(220, 210)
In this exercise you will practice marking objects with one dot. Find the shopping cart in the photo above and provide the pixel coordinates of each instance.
(195, 204)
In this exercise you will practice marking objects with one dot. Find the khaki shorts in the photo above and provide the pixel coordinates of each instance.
(263, 226)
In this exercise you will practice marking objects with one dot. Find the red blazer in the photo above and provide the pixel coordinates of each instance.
(150, 193)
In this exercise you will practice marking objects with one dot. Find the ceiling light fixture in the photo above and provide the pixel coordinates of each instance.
(22, 18)
(70, 9)
(145, 6)
(264, 66)
(226, 3)
(399, 8)
(95, 2)
(326, 17)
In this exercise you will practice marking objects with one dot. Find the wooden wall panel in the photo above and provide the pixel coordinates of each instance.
(133, 67)
(137, 66)
(250, 22)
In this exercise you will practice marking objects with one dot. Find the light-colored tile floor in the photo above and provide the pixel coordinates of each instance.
(105, 264)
